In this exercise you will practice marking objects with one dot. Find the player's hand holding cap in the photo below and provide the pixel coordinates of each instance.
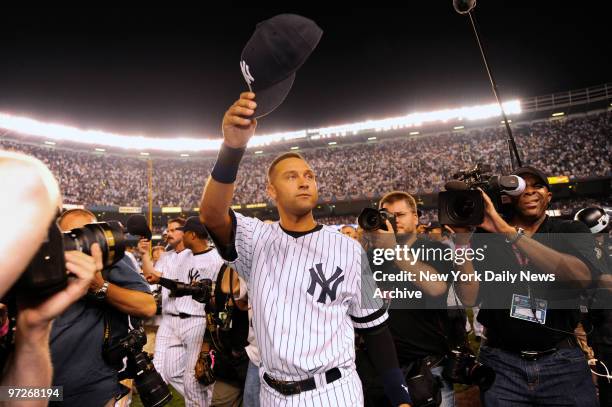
(277, 49)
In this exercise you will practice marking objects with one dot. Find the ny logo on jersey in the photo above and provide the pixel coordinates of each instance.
(317, 276)
(194, 274)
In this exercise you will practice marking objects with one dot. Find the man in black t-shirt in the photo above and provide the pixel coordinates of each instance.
(529, 325)
(419, 326)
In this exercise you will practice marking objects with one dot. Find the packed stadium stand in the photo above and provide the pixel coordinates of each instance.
(575, 147)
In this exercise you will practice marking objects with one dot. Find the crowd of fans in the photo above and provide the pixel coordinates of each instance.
(566, 208)
(577, 147)
(427, 216)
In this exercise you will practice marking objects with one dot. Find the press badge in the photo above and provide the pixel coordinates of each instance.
(527, 309)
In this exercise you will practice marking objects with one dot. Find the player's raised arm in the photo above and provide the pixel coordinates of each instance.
(238, 128)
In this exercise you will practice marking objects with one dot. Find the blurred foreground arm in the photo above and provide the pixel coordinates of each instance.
(30, 200)
(30, 362)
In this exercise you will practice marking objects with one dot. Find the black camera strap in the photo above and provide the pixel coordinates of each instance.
(231, 296)
(213, 321)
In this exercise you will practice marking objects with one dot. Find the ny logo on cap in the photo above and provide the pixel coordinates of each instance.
(246, 73)
(317, 276)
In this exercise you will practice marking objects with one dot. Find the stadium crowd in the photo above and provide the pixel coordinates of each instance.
(581, 146)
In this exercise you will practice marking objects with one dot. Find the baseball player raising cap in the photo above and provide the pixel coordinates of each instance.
(304, 279)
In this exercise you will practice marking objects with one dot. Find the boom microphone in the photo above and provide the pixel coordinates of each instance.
(465, 7)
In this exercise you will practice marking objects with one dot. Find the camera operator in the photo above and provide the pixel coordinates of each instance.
(31, 192)
(79, 336)
(530, 345)
(421, 331)
(179, 338)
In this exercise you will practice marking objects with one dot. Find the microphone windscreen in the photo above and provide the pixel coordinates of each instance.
(137, 225)
(464, 6)
(518, 184)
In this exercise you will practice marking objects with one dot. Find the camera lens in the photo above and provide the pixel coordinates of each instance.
(151, 387)
(463, 207)
(370, 219)
(108, 235)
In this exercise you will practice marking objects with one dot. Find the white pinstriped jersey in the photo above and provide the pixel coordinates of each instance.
(187, 267)
(306, 296)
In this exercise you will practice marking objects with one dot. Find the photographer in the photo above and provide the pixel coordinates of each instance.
(420, 327)
(530, 342)
(81, 335)
(31, 191)
(179, 338)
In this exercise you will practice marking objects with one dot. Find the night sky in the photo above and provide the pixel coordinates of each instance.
(174, 72)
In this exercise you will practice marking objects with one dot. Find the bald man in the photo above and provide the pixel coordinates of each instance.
(117, 295)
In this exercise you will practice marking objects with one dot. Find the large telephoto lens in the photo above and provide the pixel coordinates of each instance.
(151, 387)
(109, 235)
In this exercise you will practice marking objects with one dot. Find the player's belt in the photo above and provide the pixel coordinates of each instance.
(292, 388)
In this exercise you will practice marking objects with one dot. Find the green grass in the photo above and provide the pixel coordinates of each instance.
(177, 400)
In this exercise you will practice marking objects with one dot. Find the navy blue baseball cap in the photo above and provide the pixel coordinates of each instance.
(193, 224)
(277, 49)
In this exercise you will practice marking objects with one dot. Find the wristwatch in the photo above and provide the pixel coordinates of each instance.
(520, 232)
(101, 293)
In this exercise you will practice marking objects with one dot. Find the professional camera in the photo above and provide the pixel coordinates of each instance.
(462, 367)
(462, 203)
(151, 387)
(371, 219)
(200, 291)
(46, 273)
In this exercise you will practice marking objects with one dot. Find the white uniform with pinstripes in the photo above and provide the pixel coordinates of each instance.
(302, 332)
(178, 341)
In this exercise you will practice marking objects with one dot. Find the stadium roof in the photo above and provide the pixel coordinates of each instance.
(61, 132)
